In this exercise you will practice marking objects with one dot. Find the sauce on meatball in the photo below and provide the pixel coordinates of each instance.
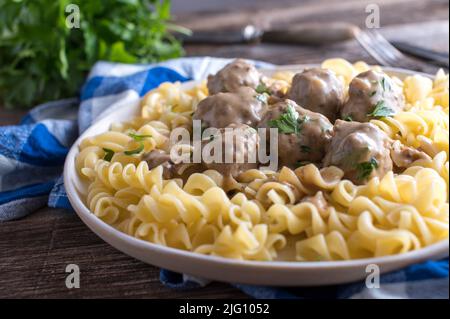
(318, 90)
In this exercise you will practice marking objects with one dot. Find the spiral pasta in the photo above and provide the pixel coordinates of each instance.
(303, 214)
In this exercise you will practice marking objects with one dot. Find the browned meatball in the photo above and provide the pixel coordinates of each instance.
(240, 146)
(361, 150)
(233, 76)
(372, 94)
(318, 90)
(223, 109)
(302, 135)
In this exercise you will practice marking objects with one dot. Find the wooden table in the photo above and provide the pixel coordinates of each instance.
(34, 251)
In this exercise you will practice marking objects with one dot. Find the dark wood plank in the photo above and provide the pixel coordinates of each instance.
(10, 117)
(276, 13)
(34, 252)
(418, 33)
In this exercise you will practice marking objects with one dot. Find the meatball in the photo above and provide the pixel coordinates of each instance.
(361, 150)
(302, 135)
(318, 90)
(223, 109)
(239, 148)
(233, 76)
(372, 94)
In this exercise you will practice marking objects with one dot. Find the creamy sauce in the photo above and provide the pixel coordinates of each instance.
(361, 150)
(309, 144)
(314, 101)
(245, 142)
(318, 90)
(233, 76)
(369, 90)
(403, 156)
(223, 109)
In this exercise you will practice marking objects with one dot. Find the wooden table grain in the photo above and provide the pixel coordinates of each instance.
(35, 250)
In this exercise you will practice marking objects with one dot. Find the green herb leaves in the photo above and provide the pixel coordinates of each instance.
(348, 118)
(108, 154)
(137, 138)
(263, 98)
(262, 89)
(42, 59)
(381, 110)
(385, 84)
(289, 122)
(263, 93)
(305, 149)
(365, 169)
(135, 151)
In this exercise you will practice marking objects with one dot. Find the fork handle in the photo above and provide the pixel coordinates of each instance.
(311, 33)
(437, 58)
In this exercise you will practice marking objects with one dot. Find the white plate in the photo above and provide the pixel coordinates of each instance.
(277, 273)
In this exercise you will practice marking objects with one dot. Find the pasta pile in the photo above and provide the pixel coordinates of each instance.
(269, 219)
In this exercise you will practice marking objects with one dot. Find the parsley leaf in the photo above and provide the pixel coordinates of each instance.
(304, 120)
(135, 151)
(288, 122)
(365, 169)
(381, 110)
(385, 84)
(305, 149)
(44, 59)
(348, 118)
(262, 88)
(138, 137)
(108, 154)
(262, 98)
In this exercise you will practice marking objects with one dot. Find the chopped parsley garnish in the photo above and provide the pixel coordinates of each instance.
(385, 84)
(262, 88)
(262, 98)
(304, 119)
(365, 169)
(351, 159)
(305, 149)
(348, 118)
(135, 151)
(138, 137)
(381, 110)
(288, 122)
(108, 154)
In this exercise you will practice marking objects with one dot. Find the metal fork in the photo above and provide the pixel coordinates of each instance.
(387, 55)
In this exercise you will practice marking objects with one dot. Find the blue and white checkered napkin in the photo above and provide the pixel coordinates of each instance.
(32, 156)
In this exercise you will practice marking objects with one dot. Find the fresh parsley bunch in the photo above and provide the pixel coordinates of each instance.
(42, 59)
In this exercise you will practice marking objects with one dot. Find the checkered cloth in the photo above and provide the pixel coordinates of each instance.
(32, 156)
